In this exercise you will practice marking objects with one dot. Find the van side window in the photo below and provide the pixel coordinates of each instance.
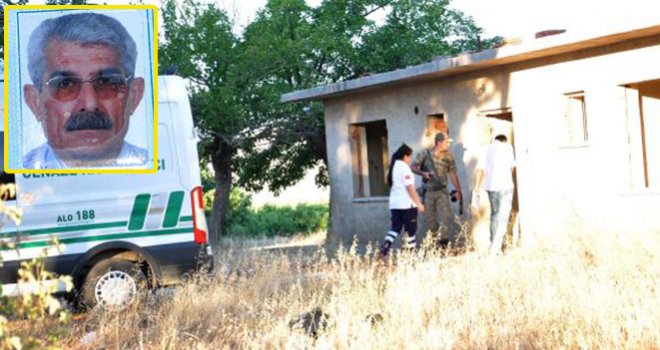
(5, 178)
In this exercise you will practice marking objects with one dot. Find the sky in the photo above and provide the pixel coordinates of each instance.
(522, 18)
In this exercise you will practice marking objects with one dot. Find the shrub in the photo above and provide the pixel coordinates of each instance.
(37, 306)
(240, 204)
(270, 220)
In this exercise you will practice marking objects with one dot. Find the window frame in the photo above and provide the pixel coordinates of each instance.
(361, 175)
(579, 142)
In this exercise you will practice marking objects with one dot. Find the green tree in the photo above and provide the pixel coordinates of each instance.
(414, 32)
(287, 51)
(292, 46)
(198, 39)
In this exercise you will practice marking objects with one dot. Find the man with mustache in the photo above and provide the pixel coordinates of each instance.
(83, 92)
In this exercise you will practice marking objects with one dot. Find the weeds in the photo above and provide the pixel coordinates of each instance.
(580, 291)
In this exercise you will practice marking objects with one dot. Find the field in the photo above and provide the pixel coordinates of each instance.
(569, 292)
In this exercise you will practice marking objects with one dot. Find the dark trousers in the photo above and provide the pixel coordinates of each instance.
(405, 219)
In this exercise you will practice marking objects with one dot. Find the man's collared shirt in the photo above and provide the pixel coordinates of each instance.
(497, 161)
(43, 157)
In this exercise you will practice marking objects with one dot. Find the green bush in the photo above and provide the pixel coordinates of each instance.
(239, 204)
(270, 221)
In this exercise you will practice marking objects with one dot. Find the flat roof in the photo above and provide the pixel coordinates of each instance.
(527, 50)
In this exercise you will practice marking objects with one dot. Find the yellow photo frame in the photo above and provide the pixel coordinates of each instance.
(12, 63)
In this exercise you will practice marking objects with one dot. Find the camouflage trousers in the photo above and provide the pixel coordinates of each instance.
(439, 217)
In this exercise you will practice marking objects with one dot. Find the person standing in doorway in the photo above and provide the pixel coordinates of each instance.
(495, 173)
(438, 163)
(404, 201)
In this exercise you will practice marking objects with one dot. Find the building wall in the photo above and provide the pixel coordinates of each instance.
(561, 187)
(368, 218)
(589, 186)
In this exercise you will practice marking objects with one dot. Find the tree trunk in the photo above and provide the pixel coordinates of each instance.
(221, 160)
(322, 149)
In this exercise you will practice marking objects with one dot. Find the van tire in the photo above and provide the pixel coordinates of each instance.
(123, 277)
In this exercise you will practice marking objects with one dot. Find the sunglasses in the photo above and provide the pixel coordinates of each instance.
(67, 88)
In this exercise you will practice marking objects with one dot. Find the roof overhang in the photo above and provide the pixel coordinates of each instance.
(534, 49)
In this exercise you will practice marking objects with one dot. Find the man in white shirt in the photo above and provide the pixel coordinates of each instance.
(495, 173)
(83, 92)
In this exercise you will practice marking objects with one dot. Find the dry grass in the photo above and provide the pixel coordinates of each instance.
(577, 292)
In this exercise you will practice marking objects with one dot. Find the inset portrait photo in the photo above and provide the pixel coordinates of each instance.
(80, 89)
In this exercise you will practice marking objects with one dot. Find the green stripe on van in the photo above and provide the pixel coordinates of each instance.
(105, 237)
(139, 212)
(186, 218)
(62, 229)
(173, 209)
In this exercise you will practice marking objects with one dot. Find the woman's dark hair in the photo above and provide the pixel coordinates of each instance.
(500, 138)
(404, 150)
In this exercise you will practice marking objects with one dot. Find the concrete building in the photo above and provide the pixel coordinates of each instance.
(583, 113)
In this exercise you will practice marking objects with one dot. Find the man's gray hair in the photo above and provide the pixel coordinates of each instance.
(85, 28)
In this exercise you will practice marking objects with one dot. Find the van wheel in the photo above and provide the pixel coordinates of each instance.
(114, 284)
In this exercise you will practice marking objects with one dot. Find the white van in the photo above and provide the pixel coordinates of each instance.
(121, 233)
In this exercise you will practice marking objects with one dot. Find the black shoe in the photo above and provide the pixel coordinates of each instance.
(442, 244)
(384, 248)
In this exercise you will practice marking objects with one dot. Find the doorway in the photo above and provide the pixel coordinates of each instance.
(643, 103)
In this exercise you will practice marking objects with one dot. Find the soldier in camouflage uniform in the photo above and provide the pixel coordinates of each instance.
(437, 163)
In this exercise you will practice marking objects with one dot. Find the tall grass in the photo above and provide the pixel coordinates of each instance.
(566, 292)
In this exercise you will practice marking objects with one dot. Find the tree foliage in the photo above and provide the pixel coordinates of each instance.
(282, 44)
(414, 32)
(293, 46)
(198, 39)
